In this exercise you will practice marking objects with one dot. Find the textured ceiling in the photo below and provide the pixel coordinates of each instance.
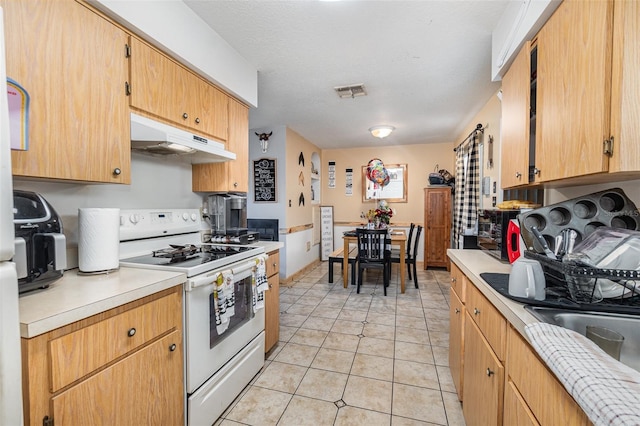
(425, 65)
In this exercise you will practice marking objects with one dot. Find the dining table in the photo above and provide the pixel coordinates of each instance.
(398, 237)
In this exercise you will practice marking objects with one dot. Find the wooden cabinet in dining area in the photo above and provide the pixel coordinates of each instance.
(437, 225)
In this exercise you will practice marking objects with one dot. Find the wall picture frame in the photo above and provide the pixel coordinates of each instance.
(394, 192)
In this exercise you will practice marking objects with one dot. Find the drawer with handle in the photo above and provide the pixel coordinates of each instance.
(81, 352)
(490, 322)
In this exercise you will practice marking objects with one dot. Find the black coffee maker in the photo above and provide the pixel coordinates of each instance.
(40, 246)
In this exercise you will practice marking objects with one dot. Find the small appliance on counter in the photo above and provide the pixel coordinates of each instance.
(228, 214)
(40, 245)
(493, 235)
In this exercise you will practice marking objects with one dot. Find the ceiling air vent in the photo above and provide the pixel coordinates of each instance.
(351, 91)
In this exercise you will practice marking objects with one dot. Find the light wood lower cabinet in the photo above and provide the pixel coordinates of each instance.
(143, 388)
(497, 374)
(456, 341)
(483, 371)
(272, 302)
(543, 394)
(483, 379)
(516, 410)
(122, 366)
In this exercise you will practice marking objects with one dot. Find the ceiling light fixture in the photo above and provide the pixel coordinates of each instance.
(381, 131)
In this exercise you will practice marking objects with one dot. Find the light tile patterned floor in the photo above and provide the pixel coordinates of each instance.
(356, 359)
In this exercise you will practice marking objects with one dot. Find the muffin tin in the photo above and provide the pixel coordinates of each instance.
(583, 214)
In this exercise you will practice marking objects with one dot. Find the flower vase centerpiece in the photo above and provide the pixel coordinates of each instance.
(383, 214)
(379, 217)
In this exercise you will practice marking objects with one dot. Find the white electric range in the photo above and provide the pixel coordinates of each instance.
(223, 315)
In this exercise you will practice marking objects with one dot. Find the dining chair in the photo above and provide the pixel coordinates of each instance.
(410, 258)
(373, 253)
(395, 252)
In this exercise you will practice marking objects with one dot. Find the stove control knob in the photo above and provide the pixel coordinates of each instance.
(134, 218)
(185, 216)
(194, 217)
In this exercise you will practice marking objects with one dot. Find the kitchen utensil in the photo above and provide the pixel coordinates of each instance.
(558, 249)
(609, 341)
(526, 279)
(541, 240)
(573, 235)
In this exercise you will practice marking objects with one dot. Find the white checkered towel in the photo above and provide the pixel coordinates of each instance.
(607, 390)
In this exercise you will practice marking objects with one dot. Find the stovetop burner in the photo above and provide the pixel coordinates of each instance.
(177, 253)
(192, 259)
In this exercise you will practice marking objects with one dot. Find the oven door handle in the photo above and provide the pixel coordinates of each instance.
(202, 281)
(244, 267)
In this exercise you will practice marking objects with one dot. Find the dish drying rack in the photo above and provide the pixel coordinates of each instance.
(579, 281)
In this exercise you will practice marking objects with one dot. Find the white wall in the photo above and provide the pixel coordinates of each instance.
(156, 182)
(276, 149)
(631, 189)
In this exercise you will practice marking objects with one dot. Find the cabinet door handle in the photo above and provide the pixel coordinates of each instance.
(275, 266)
(476, 311)
(536, 171)
(489, 372)
(131, 332)
(453, 279)
(235, 184)
(457, 311)
(172, 347)
(117, 171)
(270, 286)
(518, 175)
(197, 120)
(185, 115)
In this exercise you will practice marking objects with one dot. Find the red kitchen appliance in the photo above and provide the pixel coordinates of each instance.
(515, 246)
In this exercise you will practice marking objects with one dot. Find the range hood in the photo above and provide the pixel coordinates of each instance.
(157, 138)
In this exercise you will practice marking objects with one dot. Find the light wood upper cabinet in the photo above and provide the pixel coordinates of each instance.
(625, 97)
(574, 90)
(516, 85)
(72, 63)
(587, 91)
(167, 90)
(230, 176)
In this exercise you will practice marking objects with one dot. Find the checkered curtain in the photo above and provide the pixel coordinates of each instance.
(467, 187)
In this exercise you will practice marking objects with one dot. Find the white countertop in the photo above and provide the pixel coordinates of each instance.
(75, 296)
(269, 245)
(475, 262)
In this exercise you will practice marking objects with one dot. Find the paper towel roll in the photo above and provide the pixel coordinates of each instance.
(98, 239)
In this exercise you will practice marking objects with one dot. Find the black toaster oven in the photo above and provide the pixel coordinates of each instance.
(492, 231)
